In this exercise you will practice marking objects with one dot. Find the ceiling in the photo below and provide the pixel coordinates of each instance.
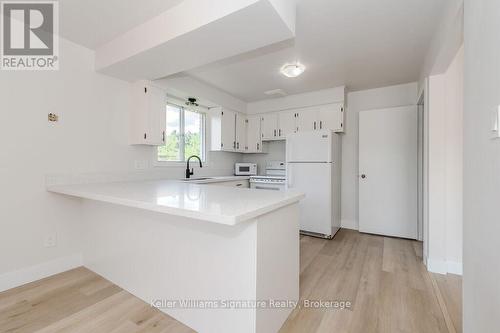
(361, 44)
(92, 23)
(358, 43)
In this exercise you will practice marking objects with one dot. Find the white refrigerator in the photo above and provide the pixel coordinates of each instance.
(313, 167)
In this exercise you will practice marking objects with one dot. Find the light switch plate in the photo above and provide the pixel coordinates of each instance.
(496, 124)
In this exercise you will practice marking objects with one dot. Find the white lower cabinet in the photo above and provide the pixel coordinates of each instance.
(237, 183)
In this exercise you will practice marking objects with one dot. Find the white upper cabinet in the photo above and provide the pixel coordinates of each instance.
(241, 132)
(148, 115)
(286, 123)
(236, 132)
(254, 138)
(276, 126)
(306, 119)
(229, 131)
(269, 126)
(223, 130)
(330, 116)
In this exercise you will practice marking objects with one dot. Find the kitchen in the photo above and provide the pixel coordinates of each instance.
(185, 169)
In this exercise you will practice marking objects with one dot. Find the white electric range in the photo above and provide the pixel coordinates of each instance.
(273, 180)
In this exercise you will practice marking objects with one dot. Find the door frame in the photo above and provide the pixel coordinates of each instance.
(423, 108)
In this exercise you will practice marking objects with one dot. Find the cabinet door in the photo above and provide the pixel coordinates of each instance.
(228, 130)
(239, 183)
(157, 115)
(269, 126)
(254, 139)
(286, 123)
(331, 117)
(241, 133)
(307, 119)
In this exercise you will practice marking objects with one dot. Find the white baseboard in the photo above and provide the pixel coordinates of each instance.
(455, 268)
(29, 274)
(444, 267)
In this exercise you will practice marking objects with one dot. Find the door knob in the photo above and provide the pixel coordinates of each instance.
(363, 176)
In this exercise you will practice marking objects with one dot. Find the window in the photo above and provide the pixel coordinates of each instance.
(185, 135)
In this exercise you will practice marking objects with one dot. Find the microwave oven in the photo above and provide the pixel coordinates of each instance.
(245, 169)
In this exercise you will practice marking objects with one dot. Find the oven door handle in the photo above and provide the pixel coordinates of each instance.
(266, 188)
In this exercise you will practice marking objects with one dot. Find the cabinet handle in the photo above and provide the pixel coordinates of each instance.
(279, 133)
(258, 146)
(238, 145)
(274, 132)
(145, 136)
(314, 125)
(163, 136)
(320, 125)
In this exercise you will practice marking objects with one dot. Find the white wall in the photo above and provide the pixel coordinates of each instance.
(481, 168)
(275, 151)
(454, 161)
(446, 42)
(89, 143)
(387, 97)
(183, 86)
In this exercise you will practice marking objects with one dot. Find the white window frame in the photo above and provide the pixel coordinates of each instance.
(204, 154)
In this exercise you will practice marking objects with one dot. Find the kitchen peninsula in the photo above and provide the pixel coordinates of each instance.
(171, 241)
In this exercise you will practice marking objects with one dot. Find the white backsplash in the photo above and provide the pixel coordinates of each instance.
(275, 152)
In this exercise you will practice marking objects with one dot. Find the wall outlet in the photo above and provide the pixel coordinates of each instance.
(141, 165)
(50, 240)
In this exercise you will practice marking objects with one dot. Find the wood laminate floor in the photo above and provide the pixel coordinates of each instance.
(383, 278)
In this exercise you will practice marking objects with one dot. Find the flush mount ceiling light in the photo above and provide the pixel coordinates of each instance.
(293, 70)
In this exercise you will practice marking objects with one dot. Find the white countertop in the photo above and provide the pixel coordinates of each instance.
(218, 204)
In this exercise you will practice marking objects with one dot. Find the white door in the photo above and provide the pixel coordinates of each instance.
(254, 142)
(388, 165)
(314, 180)
(286, 123)
(269, 126)
(228, 130)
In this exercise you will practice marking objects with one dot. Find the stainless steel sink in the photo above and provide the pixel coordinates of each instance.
(197, 179)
